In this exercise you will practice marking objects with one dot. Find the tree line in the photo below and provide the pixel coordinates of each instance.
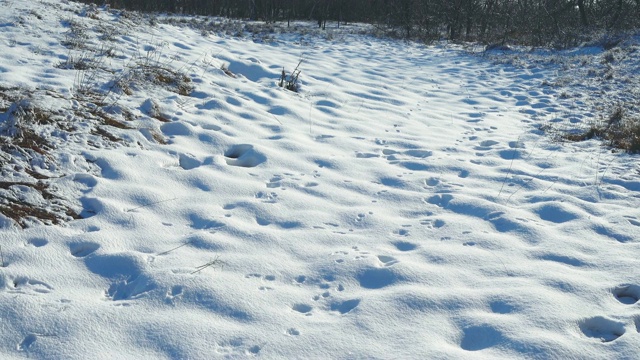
(532, 22)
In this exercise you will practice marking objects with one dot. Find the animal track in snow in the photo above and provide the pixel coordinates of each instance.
(275, 182)
(405, 246)
(480, 337)
(387, 260)
(267, 278)
(130, 289)
(27, 342)
(234, 347)
(432, 182)
(627, 294)
(324, 295)
(83, 249)
(365, 155)
(441, 200)
(602, 328)
(24, 285)
(175, 293)
(267, 197)
(433, 224)
(486, 145)
(501, 307)
(556, 213)
(378, 278)
(87, 180)
(188, 162)
(302, 308)
(260, 276)
(37, 242)
(281, 224)
(292, 332)
(407, 158)
(344, 307)
(244, 155)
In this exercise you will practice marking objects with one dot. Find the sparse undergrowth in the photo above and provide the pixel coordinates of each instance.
(619, 131)
(598, 79)
(28, 136)
(35, 123)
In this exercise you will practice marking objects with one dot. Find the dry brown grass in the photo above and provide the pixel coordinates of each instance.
(619, 131)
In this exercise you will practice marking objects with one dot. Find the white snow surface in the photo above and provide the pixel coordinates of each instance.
(403, 204)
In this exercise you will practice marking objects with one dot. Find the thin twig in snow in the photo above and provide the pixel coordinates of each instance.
(214, 262)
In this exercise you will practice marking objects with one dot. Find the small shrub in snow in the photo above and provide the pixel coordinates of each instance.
(290, 81)
(149, 69)
(81, 61)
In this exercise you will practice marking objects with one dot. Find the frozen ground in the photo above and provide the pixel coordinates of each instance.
(403, 204)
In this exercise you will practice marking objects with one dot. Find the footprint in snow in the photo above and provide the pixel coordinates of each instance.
(475, 338)
(275, 182)
(302, 309)
(344, 307)
(267, 197)
(441, 200)
(83, 249)
(37, 242)
(555, 213)
(244, 155)
(27, 342)
(501, 307)
(292, 332)
(324, 295)
(366, 155)
(87, 180)
(188, 162)
(378, 278)
(627, 293)
(433, 224)
(486, 145)
(174, 294)
(432, 182)
(130, 289)
(602, 328)
(387, 260)
(405, 246)
(260, 276)
(263, 278)
(24, 285)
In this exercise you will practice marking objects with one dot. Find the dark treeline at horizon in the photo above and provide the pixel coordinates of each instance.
(533, 22)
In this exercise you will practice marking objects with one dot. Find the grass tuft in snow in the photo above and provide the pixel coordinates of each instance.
(290, 81)
(620, 131)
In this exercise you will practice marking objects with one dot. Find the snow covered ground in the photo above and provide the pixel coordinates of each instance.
(405, 203)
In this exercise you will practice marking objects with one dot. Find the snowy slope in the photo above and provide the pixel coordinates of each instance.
(403, 204)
